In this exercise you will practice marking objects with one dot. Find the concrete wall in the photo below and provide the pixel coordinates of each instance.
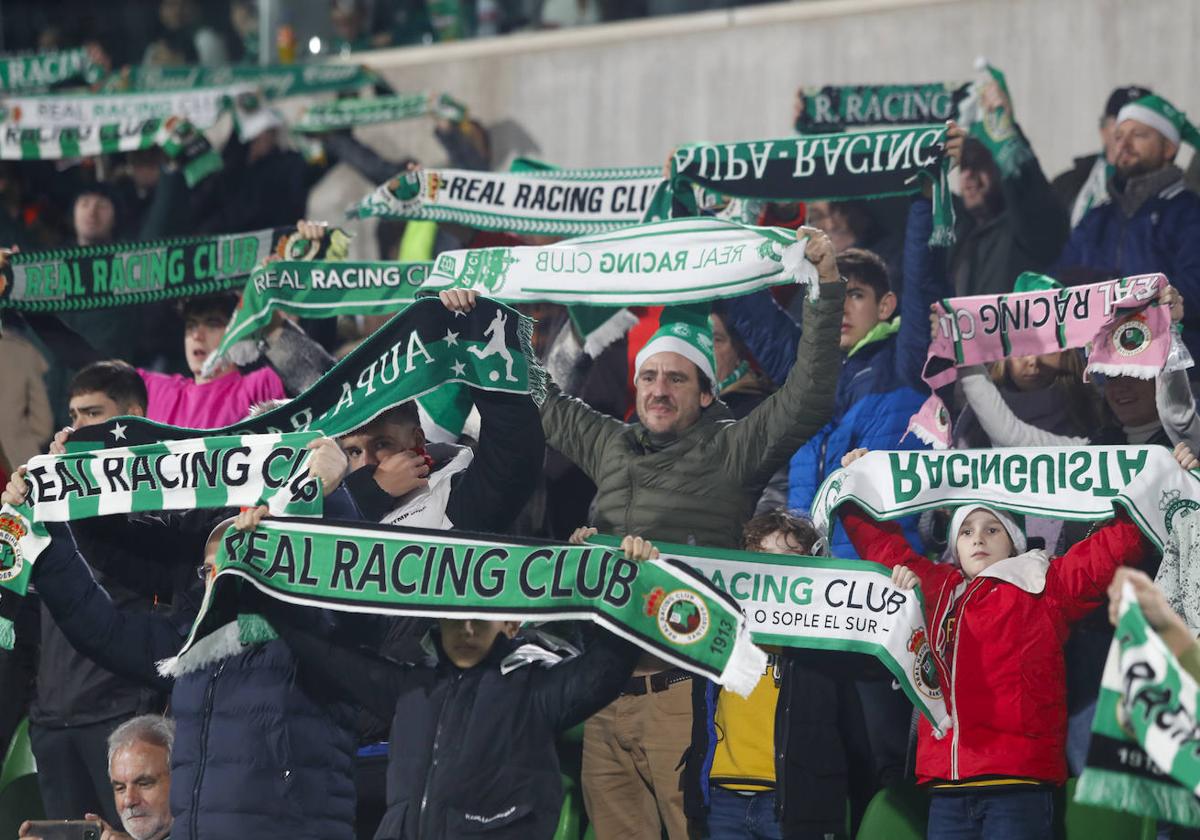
(626, 93)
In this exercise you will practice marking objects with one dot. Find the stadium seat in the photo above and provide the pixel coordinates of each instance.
(569, 818)
(900, 812)
(19, 796)
(1087, 822)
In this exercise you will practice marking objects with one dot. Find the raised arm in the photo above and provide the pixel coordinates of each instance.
(998, 421)
(126, 643)
(1078, 579)
(757, 445)
(572, 691)
(884, 542)
(923, 283)
(489, 493)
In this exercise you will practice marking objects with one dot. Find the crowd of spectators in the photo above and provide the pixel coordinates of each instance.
(725, 450)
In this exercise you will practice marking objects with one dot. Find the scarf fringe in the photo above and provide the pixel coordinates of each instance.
(1120, 792)
(925, 436)
(538, 378)
(1136, 371)
(222, 643)
(608, 333)
(745, 666)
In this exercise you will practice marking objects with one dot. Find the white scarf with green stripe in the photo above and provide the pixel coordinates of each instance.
(675, 261)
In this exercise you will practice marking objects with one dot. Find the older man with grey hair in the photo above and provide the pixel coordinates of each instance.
(139, 767)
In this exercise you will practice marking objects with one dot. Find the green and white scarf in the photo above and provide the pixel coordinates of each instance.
(351, 113)
(46, 69)
(834, 108)
(127, 273)
(660, 606)
(211, 472)
(1073, 483)
(827, 167)
(1144, 756)
(319, 290)
(676, 261)
(275, 81)
(825, 604)
(560, 202)
(21, 541)
(995, 127)
(202, 107)
(419, 350)
(178, 138)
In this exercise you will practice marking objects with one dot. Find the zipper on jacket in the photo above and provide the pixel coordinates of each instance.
(205, 720)
(787, 674)
(962, 610)
(437, 736)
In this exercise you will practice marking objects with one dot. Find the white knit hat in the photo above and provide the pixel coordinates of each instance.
(684, 330)
(1006, 519)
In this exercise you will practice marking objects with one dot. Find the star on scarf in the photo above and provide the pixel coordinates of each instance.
(118, 431)
(459, 368)
(451, 338)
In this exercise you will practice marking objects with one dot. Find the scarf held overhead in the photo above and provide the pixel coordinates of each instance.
(825, 604)
(674, 261)
(420, 349)
(835, 108)
(46, 69)
(828, 167)
(127, 273)
(1081, 484)
(211, 472)
(351, 113)
(318, 290)
(559, 202)
(274, 81)
(199, 106)
(1144, 756)
(659, 606)
(1128, 335)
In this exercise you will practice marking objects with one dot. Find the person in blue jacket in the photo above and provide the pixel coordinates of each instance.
(880, 386)
(1151, 222)
(261, 749)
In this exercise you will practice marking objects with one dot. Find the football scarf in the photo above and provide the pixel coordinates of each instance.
(211, 472)
(1144, 756)
(834, 108)
(47, 69)
(825, 604)
(199, 106)
(675, 261)
(179, 140)
(1127, 333)
(558, 202)
(321, 289)
(1082, 484)
(126, 273)
(661, 606)
(352, 113)
(274, 81)
(419, 350)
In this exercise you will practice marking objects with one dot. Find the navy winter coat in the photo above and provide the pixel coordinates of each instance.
(1162, 235)
(259, 752)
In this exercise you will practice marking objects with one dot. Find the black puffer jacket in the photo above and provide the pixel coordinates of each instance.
(259, 751)
(472, 751)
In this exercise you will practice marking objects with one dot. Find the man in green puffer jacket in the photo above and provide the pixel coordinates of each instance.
(686, 473)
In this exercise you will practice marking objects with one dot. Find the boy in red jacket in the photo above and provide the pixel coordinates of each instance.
(997, 621)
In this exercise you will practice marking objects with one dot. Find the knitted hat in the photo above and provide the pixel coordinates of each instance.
(684, 330)
(1163, 117)
(1122, 96)
(1008, 520)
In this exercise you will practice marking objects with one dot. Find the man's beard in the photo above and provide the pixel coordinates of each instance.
(151, 826)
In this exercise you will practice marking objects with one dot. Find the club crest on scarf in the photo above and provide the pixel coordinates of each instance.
(1172, 504)
(683, 617)
(1133, 336)
(925, 676)
(12, 531)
